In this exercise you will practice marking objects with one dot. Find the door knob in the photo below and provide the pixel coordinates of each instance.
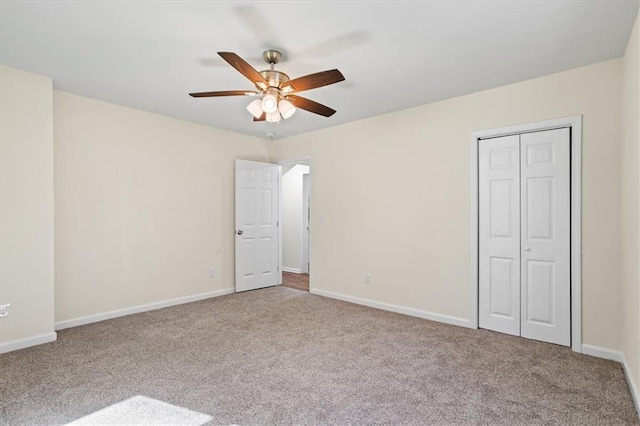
(527, 249)
(239, 232)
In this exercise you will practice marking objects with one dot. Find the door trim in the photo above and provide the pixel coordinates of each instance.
(574, 123)
(298, 160)
(306, 216)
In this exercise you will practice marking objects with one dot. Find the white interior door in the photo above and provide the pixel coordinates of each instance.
(545, 236)
(256, 225)
(499, 239)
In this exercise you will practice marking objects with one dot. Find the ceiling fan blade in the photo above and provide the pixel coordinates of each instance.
(244, 68)
(311, 106)
(311, 81)
(263, 117)
(224, 93)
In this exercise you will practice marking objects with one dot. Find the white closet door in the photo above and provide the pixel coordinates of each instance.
(545, 238)
(499, 239)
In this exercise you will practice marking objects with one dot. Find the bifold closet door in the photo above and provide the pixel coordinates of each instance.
(524, 235)
(499, 234)
(545, 236)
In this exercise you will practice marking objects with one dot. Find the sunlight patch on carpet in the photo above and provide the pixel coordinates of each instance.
(141, 410)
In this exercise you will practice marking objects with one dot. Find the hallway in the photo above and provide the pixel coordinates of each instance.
(297, 281)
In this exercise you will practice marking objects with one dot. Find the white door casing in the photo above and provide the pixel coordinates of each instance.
(499, 234)
(256, 220)
(305, 223)
(545, 236)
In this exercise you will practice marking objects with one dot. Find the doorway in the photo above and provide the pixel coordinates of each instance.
(515, 281)
(295, 201)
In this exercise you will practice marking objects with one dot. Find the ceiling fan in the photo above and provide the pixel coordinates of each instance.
(275, 89)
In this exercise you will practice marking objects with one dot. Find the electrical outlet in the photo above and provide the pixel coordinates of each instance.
(212, 273)
(367, 279)
(4, 310)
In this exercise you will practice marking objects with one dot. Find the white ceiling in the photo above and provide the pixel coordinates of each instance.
(394, 55)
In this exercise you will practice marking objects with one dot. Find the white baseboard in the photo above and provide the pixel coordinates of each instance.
(14, 345)
(619, 357)
(633, 386)
(293, 270)
(140, 308)
(604, 353)
(395, 308)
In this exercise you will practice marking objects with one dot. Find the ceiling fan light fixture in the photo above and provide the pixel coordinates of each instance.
(255, 108)
(273, 117)
(286, 108)
(269, 104)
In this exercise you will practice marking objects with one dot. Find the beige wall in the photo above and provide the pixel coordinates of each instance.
(144, 206)
(630, 194)
(26, 209)
(394, 193)
(292, 216)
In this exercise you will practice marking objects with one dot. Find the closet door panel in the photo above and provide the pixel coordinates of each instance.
(545, 236)
(499, 234)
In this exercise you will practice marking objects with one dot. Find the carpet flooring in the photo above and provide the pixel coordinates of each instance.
(283, 356)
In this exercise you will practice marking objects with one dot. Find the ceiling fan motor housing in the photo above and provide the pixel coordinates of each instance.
(274, 78)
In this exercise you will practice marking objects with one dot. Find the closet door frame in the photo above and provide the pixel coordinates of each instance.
(574, 123)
